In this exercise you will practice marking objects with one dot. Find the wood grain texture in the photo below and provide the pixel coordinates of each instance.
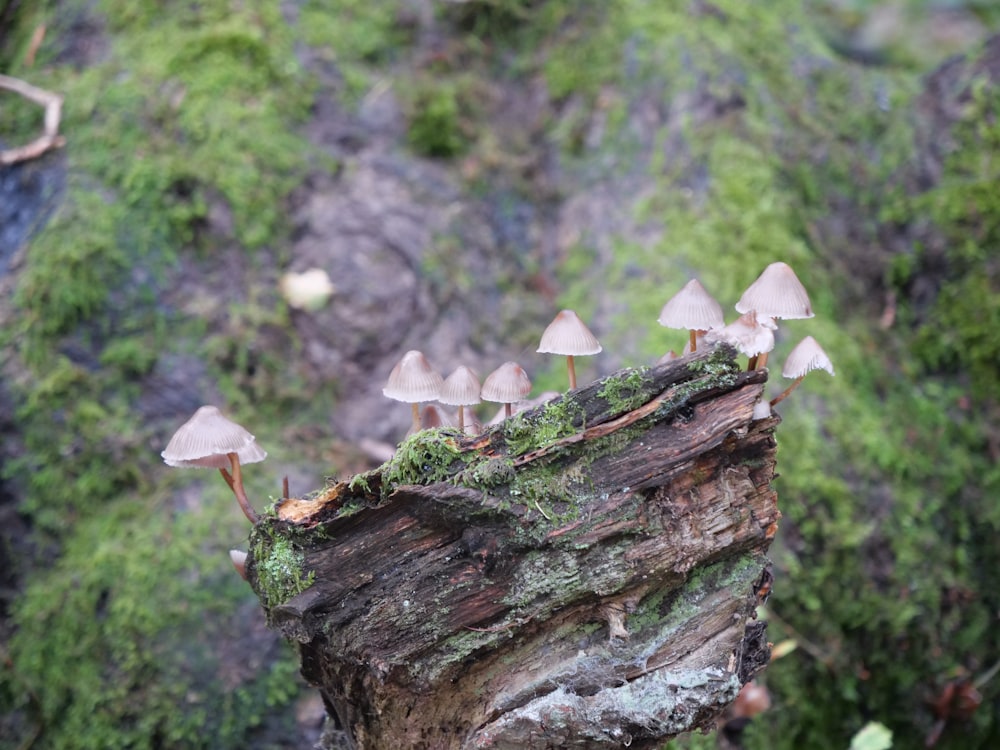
(592, 588)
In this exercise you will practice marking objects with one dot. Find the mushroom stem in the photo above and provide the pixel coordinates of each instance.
(228, 477)
(761, 361)
(571, 368)
(416, 417)
(784, 394)
(235, 482)
(752, 363)
(507, 410)
(694, 340)
(461, 418)
(284, 487)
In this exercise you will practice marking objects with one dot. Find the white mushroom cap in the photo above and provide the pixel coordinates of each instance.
(506, 384)
(807, 355)
(207, 438)
(239, 558)
(569, 336)
(693, 309)
(777, 293)
(746, 334)
(413, 380)
(461, 388)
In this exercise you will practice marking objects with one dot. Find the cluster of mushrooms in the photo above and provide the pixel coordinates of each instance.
(776, 294)
(210, 440)
(414, 381)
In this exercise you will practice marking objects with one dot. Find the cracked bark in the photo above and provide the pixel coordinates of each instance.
(595, 590)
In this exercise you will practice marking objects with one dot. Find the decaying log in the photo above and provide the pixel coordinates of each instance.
(584, 574)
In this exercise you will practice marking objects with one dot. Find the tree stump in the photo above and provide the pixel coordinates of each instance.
(584, 574)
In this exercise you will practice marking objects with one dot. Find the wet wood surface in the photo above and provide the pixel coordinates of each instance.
(594, 590)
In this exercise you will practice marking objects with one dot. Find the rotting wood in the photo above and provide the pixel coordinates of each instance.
(583, 575)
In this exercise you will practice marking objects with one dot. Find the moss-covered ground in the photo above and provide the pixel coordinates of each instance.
(886, 564)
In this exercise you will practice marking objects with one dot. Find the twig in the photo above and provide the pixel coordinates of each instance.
(36, 41)
(50, 138)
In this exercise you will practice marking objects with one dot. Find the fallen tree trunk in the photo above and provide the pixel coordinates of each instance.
(584, 574)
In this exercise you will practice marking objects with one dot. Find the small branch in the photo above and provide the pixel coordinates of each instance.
(50, 138)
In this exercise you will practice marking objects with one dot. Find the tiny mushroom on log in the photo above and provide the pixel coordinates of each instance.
(239, 559)
(413, 381)
(777, 293)
(750, 333)
(210, 441)
(807, 355)
(692, 309)
(461, 389)
(506, 385)
(569, 336)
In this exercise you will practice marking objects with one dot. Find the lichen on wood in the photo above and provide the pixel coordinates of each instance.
(583, 574)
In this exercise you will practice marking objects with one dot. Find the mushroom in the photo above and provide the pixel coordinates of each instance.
(568, 335)
(777, 293)
(239, 559)
(505, 385)
(412, 381)
(807, 355)
(748, 335)
(461, 389)
(209, 440)
(692, 309)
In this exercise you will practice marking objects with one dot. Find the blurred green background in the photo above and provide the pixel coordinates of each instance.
(489, 162)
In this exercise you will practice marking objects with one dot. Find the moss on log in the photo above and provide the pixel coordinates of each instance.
(584, 574)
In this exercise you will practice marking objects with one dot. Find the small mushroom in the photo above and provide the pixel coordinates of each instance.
(748, 335)
(413, 381)
(506, 385)
(692, 309)
(569, 336)
(807, 355)
(239, 559)
(461, 389)
(209, 440)
(777, 293)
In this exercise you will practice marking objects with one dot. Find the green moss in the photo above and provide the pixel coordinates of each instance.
(278, 567)
(131, 618)
(961, 330)
(434, 115)
(425, 457)
(524, 432)
(627, 391)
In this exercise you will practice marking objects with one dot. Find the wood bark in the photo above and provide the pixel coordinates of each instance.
(592, 587)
